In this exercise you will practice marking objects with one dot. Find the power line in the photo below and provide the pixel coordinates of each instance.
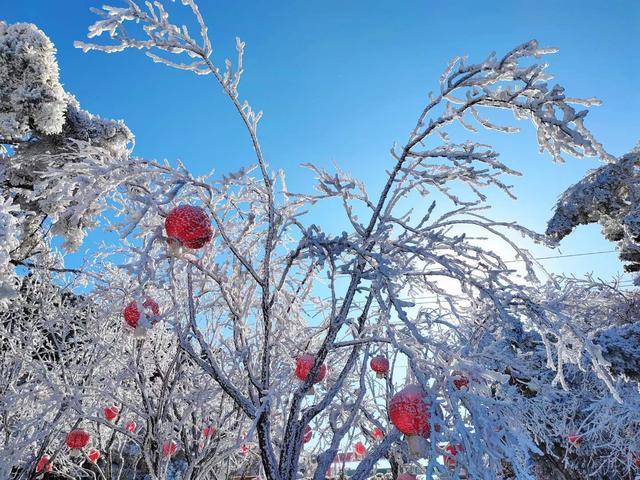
(565, 256)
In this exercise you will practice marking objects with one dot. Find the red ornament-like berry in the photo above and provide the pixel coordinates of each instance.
(378, 433)
(77, 439)
(409, 411)
(574, 438)
(449, 458)
(132, 315)
(44, 464)
(244, 449)
(304, 363)
(169, 448)
(460, 380)
(307, 434)
(189, 225)
(407, 476)
(93, 455)
(110, 413)
(207, 431)
(360, 449)
(130, 426)
(380, 365)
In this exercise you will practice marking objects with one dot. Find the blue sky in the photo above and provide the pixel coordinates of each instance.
(339, 81)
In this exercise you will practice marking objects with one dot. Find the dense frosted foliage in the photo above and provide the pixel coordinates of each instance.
(525, 377)
(609, 196)
(31, 96)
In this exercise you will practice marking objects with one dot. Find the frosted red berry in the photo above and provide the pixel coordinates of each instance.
(409, 411)
(110, 413)
(169, 448)
(132, 314)
(380, 365)
(93, 455)
(189, 225)
(308, 433)
(304, 363)
(44, 464)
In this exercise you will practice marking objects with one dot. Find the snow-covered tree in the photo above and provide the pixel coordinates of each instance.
(509, 370)
(608, 196)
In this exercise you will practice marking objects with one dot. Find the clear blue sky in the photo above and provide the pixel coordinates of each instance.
(341, 80)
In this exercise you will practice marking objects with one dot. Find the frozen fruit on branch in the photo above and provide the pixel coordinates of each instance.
(208, 431)
(44, 464)
(76, 440)
(459, 380)
(110, 413)
(380, 365)
(452, 451)
(189, 225)
(377, 433)
(93, 455)
(409, 412)
(304, 363)
(574, 439)
(169, 448)
(132, 315)
(307, 434)
(360, 449)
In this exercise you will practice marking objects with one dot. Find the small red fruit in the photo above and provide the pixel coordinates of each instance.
(110, 413)
(189, 225)
(244, 449)
(132, 314)
(130, 426)
(304, 363)
(76, 440)
(378, 433)
(360, 449)
(449, 458)
(460, 380)
(307, 434)
(44, 464)
(409, 412)
(574, 439)
(169, 448)
(380, 365)
(208, 431)
(93, 455)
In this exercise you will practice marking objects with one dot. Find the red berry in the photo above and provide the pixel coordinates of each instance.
(573, 438)
(207, 431)
(409, 411)
(449, 458)
(93, 455)
(360, 449)
(380, 365)
(77, 439)
(44, 464)
(459, 380)
(110, 413)
(308, 433)
(130, 426)
(132, 314)
(378, 433)
(189, 225)
(169, 448)
(304, 363)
